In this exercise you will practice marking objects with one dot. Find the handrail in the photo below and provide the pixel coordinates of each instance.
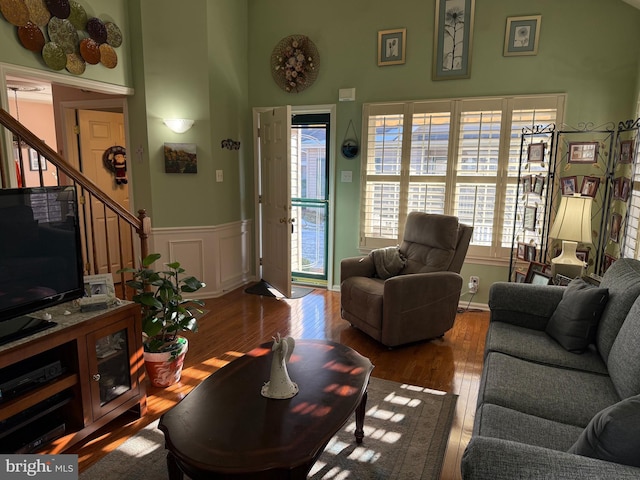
(141, 223)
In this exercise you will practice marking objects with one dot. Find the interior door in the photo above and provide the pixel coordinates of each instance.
(275, 189)
(99, 131)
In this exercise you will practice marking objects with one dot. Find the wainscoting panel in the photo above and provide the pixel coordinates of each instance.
(221, 256)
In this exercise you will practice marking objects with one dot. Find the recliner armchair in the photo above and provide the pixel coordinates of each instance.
(421, 302)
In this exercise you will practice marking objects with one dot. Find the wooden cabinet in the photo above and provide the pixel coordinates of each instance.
(76, 378)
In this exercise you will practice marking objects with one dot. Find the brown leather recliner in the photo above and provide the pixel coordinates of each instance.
(419, 303)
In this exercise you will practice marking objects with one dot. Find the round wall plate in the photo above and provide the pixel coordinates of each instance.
(350, 149)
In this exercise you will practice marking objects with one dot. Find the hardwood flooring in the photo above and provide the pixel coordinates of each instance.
(238, 322)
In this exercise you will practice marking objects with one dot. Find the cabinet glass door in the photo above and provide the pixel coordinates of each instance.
(114, 377)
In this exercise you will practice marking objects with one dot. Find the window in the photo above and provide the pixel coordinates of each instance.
(456, 157)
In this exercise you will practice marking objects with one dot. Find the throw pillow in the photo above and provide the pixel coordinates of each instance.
(575, 321)
(612, 435)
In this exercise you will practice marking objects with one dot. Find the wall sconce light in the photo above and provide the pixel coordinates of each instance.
(178, 125)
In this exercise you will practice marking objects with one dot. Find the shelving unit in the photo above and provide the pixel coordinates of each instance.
(77, 392)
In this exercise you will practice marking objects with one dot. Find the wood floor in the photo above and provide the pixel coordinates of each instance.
(238, 322)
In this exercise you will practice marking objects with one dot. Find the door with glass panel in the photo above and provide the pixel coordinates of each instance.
(309, 197)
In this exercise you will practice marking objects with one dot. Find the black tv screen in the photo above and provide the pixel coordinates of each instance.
(40, 250)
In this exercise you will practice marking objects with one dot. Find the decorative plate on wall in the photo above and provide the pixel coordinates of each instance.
(31, 37)
(15, 11)
(76, 64)
(64, 34)
(38, 12)
(59, 8)
(295, 63)
(54, 56)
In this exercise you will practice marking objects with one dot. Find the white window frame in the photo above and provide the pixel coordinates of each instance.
(496, 253)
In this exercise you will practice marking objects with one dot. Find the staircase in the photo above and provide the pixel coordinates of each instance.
(107, 246)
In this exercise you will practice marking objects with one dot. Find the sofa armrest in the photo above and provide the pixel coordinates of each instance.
(418, 289)
(524, 304)
(496, 459)
(356, 267)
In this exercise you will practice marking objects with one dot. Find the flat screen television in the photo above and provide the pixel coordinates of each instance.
(40, 256)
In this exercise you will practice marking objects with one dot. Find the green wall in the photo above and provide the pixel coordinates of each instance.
(588, 49)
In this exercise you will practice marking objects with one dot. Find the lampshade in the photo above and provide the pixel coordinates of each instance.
(573, 220)
(178, 125)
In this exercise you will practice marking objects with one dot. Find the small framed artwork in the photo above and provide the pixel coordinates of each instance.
(530, 218)
(530, 253)
(538, 184)
(583, 152)
(614, 230)
(589, 186)
(527, 184)
(582, 255)
(568, 185)
(453, 38)
(520, 277)
(607, 261)
(392, 46)
(535, 152)
(521, 35)
(561, 280)
(180, 158)
(100, 287)
(36, 161)
(621, 187)
(626, 151)
(539, 278)
(521, 253)
(536, 267)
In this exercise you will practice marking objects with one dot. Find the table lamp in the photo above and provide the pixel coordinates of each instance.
(572, 225)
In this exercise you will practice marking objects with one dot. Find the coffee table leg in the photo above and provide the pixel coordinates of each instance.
(360, 418)
(175, 473)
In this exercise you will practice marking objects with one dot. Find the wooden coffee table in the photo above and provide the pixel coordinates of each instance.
(225, 429)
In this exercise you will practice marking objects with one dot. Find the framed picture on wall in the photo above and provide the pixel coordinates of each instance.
(530, 218)
(621, 186)
(626, 151)
(522, 35)
(527, 183)
(538, 184)
(568, 185)
(522, 251)
(589, 186)
(614, 227)
(36, 161)
(583, 152)
(392, 46)
(535, 152)
(453, 39)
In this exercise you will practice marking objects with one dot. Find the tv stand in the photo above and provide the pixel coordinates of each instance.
(98, 362)
(23, 326)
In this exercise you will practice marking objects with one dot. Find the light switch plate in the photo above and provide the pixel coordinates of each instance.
(346, 176)
(219, 176)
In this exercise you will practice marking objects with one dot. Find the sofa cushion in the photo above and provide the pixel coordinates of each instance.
(575, 320)
(537, 346)
(558, 394)
(612, 435)
(624, 359)
(623, 281)
(429, 242)
(501, 422)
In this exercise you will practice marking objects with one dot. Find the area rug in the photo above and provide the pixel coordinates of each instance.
(266, 290)
(406, 433)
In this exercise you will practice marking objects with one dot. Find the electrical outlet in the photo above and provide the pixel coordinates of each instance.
(474, 283)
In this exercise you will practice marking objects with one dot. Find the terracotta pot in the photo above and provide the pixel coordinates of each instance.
(165, 368)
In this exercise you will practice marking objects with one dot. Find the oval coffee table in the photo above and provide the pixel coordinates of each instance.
(225, 429)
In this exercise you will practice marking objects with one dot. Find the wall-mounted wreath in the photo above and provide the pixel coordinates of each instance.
(295, 63)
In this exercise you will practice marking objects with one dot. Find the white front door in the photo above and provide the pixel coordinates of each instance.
(275, 186)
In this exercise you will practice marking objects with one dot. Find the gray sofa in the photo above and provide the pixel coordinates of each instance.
(546, 412)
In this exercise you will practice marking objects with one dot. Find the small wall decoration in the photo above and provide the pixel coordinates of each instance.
(115, 160)
(535, 152)
(295, 63)
(392, 46)
(230, 144)
(626, 151)
(180, 158)
(568, 185)
(607, 261)
(621, 186)
(527, 184)
(583, 152)
(538, 184)
(589, 186)
(614, 229)
(530, 218)
(453, 39)
(63, 34)
(522, 35)
(521, 252)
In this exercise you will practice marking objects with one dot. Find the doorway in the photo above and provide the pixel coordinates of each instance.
(310, 197)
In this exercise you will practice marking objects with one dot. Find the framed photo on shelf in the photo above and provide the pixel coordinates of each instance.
(521, 252)
(538, 184)
(537, 267)
(521, 35)
(392, 46)
(535, 152)
(530, 218)
(100, 287)
(582, 255)
(539, 278)
(568, 185)
(614, 227)
(589, 186)
(626, 151)
(621, 186)
(583, 152)
(453, 34)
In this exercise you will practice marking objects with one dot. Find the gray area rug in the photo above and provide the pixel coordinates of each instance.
(406, 433)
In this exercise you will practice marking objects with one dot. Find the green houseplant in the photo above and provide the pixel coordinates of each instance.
(165, 314)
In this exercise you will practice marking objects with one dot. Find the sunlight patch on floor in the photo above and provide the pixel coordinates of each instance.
(402, 400)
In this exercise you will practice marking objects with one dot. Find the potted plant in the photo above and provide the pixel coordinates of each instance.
(165, 314)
